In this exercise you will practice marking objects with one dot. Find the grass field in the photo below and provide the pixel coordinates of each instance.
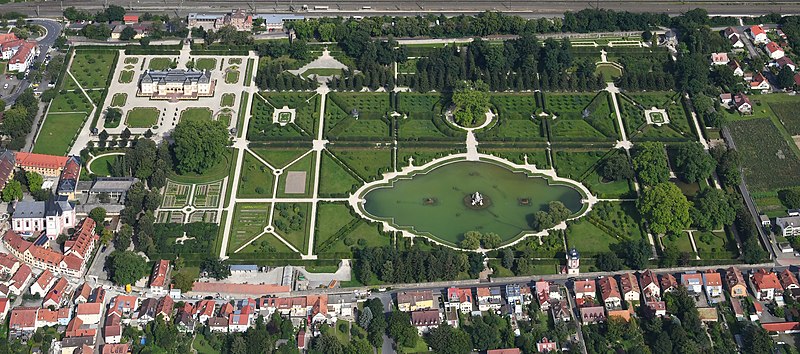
(333, 220)
(280, 157)
(70, 101)
(92, 69)
(256, 179)
(335, 180)
(367, 163)
(357, 116)
(131, 60)
(232, 76)
(609, 72)
(425, 154)
(291, 221)
(227, 100)
(58, 132)
(681, 242)
(102, 166)
(306, 164)
(119, 99)
(161, 63)
(126, 76)
(142, 117)
(205, 64)
(196, 113)
(517, 118)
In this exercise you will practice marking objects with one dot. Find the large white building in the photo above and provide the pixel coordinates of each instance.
(52, 217)
(181, 84)
(19, 53)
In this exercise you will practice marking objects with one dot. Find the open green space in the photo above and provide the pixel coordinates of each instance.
(368, 163)
(715, 245)
(339, 231)
(196, 114)
(119, 99)
(249, 220)
(262, 127)
(58, 132)
(161, 63)
(769, 162)
(430, 203)
(216, 172)
(608, 224)
(305, 164)
(256, 179)
(292, 222)
(205, 64)
(582, 165)
(279, 157)
(582, 117)
(535, 155)
(680, 242)
(248, 74)
(142, 117)
(633, 106)
(336, 180)
(227, 100)
(93, 68)
(231, 76)
(609, 71)
(126, 76)
(70, 101)
(102, 166)
(357, 116)
(424, 154)
(517, 119)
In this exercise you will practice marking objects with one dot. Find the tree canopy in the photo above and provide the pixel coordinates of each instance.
(650, 163)
(712, 208)
(126, 267)
(665, 208)
(616, 167)
(446, 340)
(693, 162)
(471, 104)
(35, 181)
(12, 191)
(199, 145)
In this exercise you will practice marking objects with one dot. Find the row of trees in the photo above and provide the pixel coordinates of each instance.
(18, 120)
(389, 265)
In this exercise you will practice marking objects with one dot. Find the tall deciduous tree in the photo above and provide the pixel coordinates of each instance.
(448, 340)
(35, 181)
(665, 208)
(126, 267)
(693, 162)
(472, 102)
(12, 191)
(401, 330)
(650, 163)
(712, 208)
(199, 145)
(616, 167)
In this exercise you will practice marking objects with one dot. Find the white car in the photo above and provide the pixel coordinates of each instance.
(5, 86)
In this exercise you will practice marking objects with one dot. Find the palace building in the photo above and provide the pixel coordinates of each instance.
(180, 84)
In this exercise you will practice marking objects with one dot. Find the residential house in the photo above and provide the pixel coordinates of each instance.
(116, 348)
(90, 313)
(735, 282)
(43, 283)
(543, 294)
(146, 312)
(24, 56)
(425, 320)
(46, 317)
(545, 346)
(516, 298)
(22, 321)
(158, 279)
(238, 18)
(164, 308)
(130, 19)
(729, 32)
(489, 299)
(8, 265)
(759, 82)
(559, 309)
(609, 291)
(585, 289)
(719, 59)
(78, 345)
(738, 311)
(68, 182)
(787, 62)
(5, 306)
(630, 287)
(736, 41)
(239, 320)
(657, 308)
(342, 305)
(460, 298)
(64, 315)
(276, 22)
(98, 295)
(789, 225)
(593, 314)
(668, 283)
(82, 294)
(77, 251)
(693, 282)
(758, 34)
(185, 323)
(766, 285)
(218, 324)
(713, 284)
(774, 50)
(204, 310)
(408, 301)
(123, 304)
(788, 280)
(736, 68)
(76, 328)
(112, 328)
(20, 279)
(742, 103)
(649, 283)
(57, 294)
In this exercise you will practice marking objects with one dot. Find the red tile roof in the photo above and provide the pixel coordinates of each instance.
(23, 317)
(240, 289)
(26, 159)
(90, 308)
(787, 279)
(712, 278)
(205, 307)
(16, 242)
(608, 287)
(22, 53)
(668, 281)
(159, 276)
(7, 261)
(83, 239)
(130, 18)
(21, 276)
(45, 279)
(773, 47)
(425, 318)
(781, 326)
(57, 292)
(585, 286)
(629, 283)
(7, 37)
(756, 30)
(763, 279)
(165, 305)
(47, 316)
(123, 348)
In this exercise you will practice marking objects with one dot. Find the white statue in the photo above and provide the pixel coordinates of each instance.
(477, 199)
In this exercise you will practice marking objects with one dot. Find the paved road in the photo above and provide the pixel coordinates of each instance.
(53, 29)
(412, 8)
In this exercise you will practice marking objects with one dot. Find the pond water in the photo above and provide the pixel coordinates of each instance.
(438, 202)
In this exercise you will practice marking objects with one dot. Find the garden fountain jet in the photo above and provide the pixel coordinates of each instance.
(477, 199)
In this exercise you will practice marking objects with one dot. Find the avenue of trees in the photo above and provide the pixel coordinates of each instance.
(389, 265)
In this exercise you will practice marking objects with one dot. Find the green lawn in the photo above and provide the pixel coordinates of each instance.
(249, 220)
(248, 74)
(715, 245)
(160, 63)
(70, 101)
(102, 166)
(142, 117)
(131, 60)
(608, 223)
(119, 99)
(304, 164)
(196, 113)
(92, 68)
(367, 163)
(609, 72)
(256, 179)
(232, 76)
(292, 222)
(205, 64)
(334, 179)
(280, 157)
(58, 132)
(126, 76)
(217, 172)
(333, 221)
(227, 100)
(679, 242)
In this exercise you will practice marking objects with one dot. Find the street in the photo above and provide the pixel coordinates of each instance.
(53, 29)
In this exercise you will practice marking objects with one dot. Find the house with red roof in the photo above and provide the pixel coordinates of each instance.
(164, 307)
(593, 314)
(116, 348)
(204, 310)
(758, 34)
(735, 282)
(460, 298)
(45, 165)
(668, 283)
(22, 321)
(693, 282)
(425, 320)
(545, 346)
(20, 280)
(719, 59)
(24, 56)
(782, 327)
(585, 289)
(609, 292)
(42, 284)
(76, 328)
(504, 351)
(68, 182)
(89, 313)
(8, 265)
(4, 307)
(774, 50)
(759, 82)
(82, 294)
(158, 279)
(130, 19)
(788, 280)
(123, 304)
(112, 328)
(736, 68)
(630, 287)
(766, 285)
(649, 285)
(712, 282)
(73, 263)
(57, 294)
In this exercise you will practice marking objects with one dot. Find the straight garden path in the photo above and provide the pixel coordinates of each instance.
(319, 146)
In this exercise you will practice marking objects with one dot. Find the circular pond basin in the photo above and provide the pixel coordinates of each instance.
(439, 203)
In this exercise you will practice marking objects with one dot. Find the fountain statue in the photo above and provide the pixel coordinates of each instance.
(477, 199)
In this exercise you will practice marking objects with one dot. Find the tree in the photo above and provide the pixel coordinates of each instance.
(401, 330)
(12, 191)
(693, 162)
(665, 208)
(183, 280)
(490, 240)
(126, 267)
(712, 208)
(199, 145)
(124, 237)
(727, 165)
(757, 340)
(786, 78)
(471, 104)
(507, 257)
(127, 33)
(790, 198)
(215, 268)
(98, 214)
(616, 167)
(650, 163)
(35, 181)
(636, 253)
(608, 262)
(446, 340)
(105, 236)
(365, 318)
(471, 241)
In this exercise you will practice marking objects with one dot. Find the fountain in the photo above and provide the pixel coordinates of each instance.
(477, 199)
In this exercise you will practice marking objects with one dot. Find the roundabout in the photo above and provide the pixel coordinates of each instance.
(451, 196)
